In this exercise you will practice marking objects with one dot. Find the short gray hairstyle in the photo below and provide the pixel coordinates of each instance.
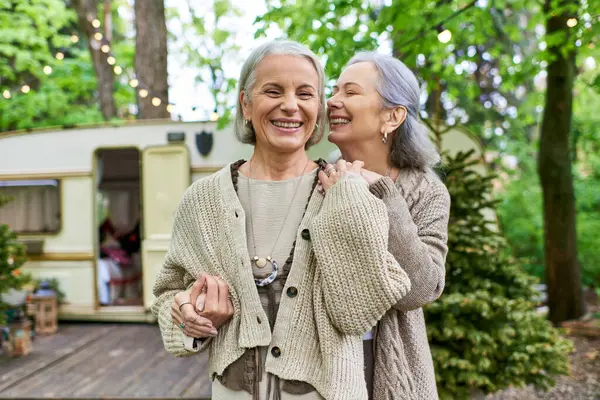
(398, 86)
(245, 133)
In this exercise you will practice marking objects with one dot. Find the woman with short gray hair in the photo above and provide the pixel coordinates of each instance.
(263, 271)
(374, 117)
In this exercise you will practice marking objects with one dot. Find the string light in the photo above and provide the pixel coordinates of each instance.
(571, 22)
(214, 116)
(118, 70)
(134, 83)
(445, 36)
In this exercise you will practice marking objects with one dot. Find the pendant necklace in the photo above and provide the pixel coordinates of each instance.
(261, 262)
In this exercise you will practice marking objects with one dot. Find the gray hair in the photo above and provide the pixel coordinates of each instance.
(245, 132)
(398, 86)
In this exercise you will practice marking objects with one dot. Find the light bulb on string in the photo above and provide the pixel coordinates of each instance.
(47, 70)
(134, 83)
(74, 38)
(96, 23)
(444, 35)
(105, 48)
(118, 70)
(214, 116)
(60, 56)
(170, 108)
(98, 36)
(143, 93)
(156, 101)
(6, 94)
(111, 60)
(25, 88)
(572, 22)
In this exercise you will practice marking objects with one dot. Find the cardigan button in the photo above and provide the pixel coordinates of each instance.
(305, 234)
(275, 351)
(292, 291)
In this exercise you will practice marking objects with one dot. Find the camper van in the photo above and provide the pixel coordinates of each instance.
(94, 205)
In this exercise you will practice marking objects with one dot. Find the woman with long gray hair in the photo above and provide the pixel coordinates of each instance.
(373, 117)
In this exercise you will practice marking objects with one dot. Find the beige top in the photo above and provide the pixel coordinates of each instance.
(271, 207)
(317, 337)
(270, 213)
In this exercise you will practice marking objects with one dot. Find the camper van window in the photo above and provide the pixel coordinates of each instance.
(33, 206)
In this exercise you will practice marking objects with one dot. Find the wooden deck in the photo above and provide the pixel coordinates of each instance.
(95, 360)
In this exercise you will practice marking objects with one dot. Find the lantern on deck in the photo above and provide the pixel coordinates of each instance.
(18, 339)
(45, 310)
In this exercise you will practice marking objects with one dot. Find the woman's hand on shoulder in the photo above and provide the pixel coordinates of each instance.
(332, 173)
(192, 324)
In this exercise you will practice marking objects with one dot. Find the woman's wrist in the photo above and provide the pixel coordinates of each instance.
(383, 187)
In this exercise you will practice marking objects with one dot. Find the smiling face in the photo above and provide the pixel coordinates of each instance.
(355, 110)
(283, 105)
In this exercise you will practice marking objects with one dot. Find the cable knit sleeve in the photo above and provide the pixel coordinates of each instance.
(418, 241)
(361, 279)
(171, 279)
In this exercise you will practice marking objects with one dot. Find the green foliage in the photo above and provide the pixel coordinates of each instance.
(66, 98)
(520, 209)
(209, 44)
(30, 32)
(12, 257)
(491, 54)
(484, 331)
(53, 284)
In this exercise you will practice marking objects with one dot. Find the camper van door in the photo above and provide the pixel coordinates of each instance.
(165, 177)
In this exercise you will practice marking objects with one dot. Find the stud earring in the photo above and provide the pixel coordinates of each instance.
(384, 138)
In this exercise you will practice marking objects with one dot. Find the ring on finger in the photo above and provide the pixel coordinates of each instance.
(329, 169)
(182, 325)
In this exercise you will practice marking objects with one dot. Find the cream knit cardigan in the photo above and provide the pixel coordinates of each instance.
(345, 276)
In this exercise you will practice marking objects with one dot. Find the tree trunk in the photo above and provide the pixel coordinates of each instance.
(151, 58)
(565, 298)
(87, 11)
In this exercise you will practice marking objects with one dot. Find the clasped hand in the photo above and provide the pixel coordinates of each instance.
(202, 310)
